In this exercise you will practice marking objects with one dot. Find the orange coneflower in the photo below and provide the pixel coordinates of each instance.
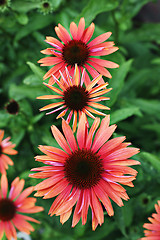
(76, 49)
(76, 98)
(6, 147)
(86, 172)
(13, 207)
(153, 228)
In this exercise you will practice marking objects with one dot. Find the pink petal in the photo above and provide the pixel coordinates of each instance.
(91, 133)
(101, 194)
(110, 145)
(97, 207)
(16, 188)
(24, 195)
(48, 61)
(94, 73)
(93, 82)
(102, 137)
(54, 69)
(62, 33)
(103, 37)
(49, 182)
(81, 28)
(69, 136)
(104, 52)
(54, 89)
(4, 185)
(56, 189)
(81, 131)
(74, 121)
(65, 216)
(59, 200)
(104, 63)
(73, 30)
(122, 154)
(69, 203)
(88, 33)
(100, 69)
(1, 135)
(54, 41)
(51, 105)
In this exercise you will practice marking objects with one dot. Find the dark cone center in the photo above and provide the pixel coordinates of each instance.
(46, 5)
(2, 2)
(74, 52)
(12, 107)
(83, 169)
(7, 209)
(76, 98)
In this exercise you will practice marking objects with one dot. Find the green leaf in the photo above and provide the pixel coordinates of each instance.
(22, 91)
(101, 232)
(152, 159)
(93, 9)
(32, 80)
(156, 61)
(136, 80)
(147, 32)
(17, 135)
(124, 216)
(37, 22)
(124, 113)
(22, 18)
(37, 117)
(56, 3)
(151, 107)
(119, 218)
(25, 7)
(152, 127)
(4, 118)
(36, 70)
(117, 80)
(25, 175)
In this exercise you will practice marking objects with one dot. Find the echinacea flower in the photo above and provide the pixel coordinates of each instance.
(153, 228)
(13, 207)
(76, 49)
(85, 172)
(76, 98)
(6, 147)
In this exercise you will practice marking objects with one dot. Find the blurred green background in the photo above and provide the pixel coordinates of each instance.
(135, 99)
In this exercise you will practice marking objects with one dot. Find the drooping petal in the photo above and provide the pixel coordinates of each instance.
(60, 139)
(4, 185)
(81, 131)
(69, 136)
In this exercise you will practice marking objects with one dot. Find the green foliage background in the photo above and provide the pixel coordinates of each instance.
(135, 101)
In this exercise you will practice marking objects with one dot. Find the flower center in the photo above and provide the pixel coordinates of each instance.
(83, 169)
(76, 98)
(74, 52)
(12, 107)
(46, 5)
(2, 2)
(7, 209)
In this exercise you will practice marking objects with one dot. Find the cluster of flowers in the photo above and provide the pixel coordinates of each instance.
(14, 204)
(89, 169)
